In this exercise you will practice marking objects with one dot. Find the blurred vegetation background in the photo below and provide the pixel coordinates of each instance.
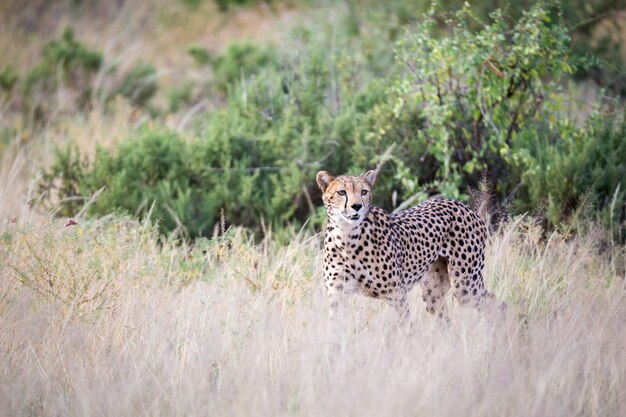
(196, 112)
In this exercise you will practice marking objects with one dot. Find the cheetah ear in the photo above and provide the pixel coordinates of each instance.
(323, 179)
(370, 176)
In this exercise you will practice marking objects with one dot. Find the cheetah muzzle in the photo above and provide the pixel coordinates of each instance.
(439, 244)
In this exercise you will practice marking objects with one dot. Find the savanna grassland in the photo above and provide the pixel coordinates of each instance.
(160, 235)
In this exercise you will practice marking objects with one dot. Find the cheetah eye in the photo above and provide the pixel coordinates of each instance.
(341, 192)
(364, 192)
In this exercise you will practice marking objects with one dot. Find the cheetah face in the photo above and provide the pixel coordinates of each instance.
(347, 199)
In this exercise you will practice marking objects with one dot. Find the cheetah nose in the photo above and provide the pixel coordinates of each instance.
(357, 207)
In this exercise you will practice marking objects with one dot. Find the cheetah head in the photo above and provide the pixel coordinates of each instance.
(347, 199)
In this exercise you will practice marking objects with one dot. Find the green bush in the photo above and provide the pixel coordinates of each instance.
(227, 4)
(477, 92)
(182, 185)
(587, 166)
(178, 96)
(65, 63)
(70, 64)
(64, 60)
(240, 61)
(192, 4)
(481, 99)
(200, 54)
(255, 159)
(595, 27)
(151, 167)
(586, 21)
(140, 84)
(8, 79)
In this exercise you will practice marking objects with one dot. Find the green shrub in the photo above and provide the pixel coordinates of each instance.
(66, 178)
(64, 60)
(148, 168)
(140, 84)
(65, 63)
(227, 4)
(587, 166)
(6, 136)
(182, 185)
(200, 54)
(478, 91)
(255, 159)
(481, 99)
(192, 4)
(240, 61)
(8, 79)
(586, 20)
(178, 96)
(70, 64)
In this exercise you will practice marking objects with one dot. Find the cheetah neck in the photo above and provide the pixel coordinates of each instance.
(348, 238)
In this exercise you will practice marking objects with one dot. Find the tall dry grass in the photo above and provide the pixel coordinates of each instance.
(102, 319)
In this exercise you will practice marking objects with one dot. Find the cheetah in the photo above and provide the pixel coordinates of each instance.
(439, 244)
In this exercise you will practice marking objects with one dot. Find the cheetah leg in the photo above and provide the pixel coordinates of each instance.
(335, 296)
(400, 304)
(337, 290)
(336, 330)
(468, 286)
(435, 285)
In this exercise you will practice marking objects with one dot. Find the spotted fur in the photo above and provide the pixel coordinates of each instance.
(439, 244)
